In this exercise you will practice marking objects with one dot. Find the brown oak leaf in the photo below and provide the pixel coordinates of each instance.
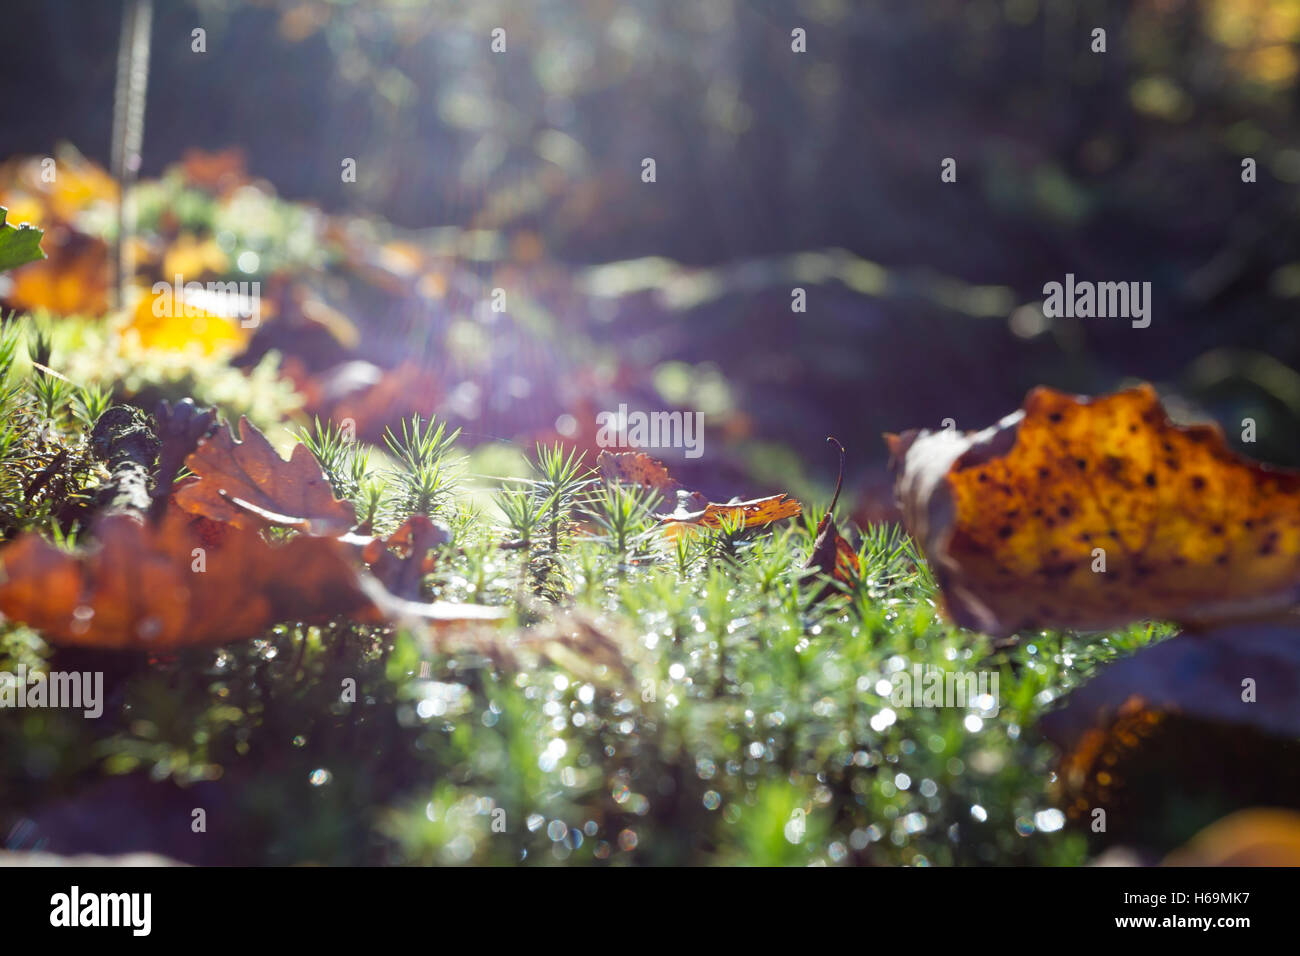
(190, 580)
(638, 468)
(245, 483)
(178, 583)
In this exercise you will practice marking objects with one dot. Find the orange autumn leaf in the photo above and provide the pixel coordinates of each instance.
(77, 186)
(749, 514)
(693, 510)
(72, 280)
(833, 556)
(1088, 514)
(242, 482)
(180, 583)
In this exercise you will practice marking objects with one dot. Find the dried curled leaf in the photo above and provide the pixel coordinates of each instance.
(693, 511)
(1019, 520)
(749, 514)
(179, 428)
(391, 607)
(246, 484)
(573, 639)
(583, 645)
(832, 555)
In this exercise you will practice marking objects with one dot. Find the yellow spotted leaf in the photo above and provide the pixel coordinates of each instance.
(1089, 514)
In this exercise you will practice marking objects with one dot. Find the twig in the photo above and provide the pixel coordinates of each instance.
(128, 127)
(123, 439)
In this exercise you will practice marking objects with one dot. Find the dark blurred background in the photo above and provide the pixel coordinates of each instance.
(777, 169)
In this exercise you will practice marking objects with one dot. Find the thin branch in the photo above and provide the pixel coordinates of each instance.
(128, 128)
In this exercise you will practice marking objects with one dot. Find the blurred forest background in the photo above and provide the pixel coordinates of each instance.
(775, 169)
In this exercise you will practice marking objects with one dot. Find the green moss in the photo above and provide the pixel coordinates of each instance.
(696, 710)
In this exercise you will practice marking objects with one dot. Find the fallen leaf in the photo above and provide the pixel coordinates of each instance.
(391, 607)
(403, 574)
(1259, 836)
(638, 468)
(1156, 772)
(249, 470)
(179, 428)
(72, 280)
(749, 514)
(693, 510)
(832, 555)
(190, 581)
(170, 585)
(186, 321)
(1018, 520)
(1197, 675)
(583, 645)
